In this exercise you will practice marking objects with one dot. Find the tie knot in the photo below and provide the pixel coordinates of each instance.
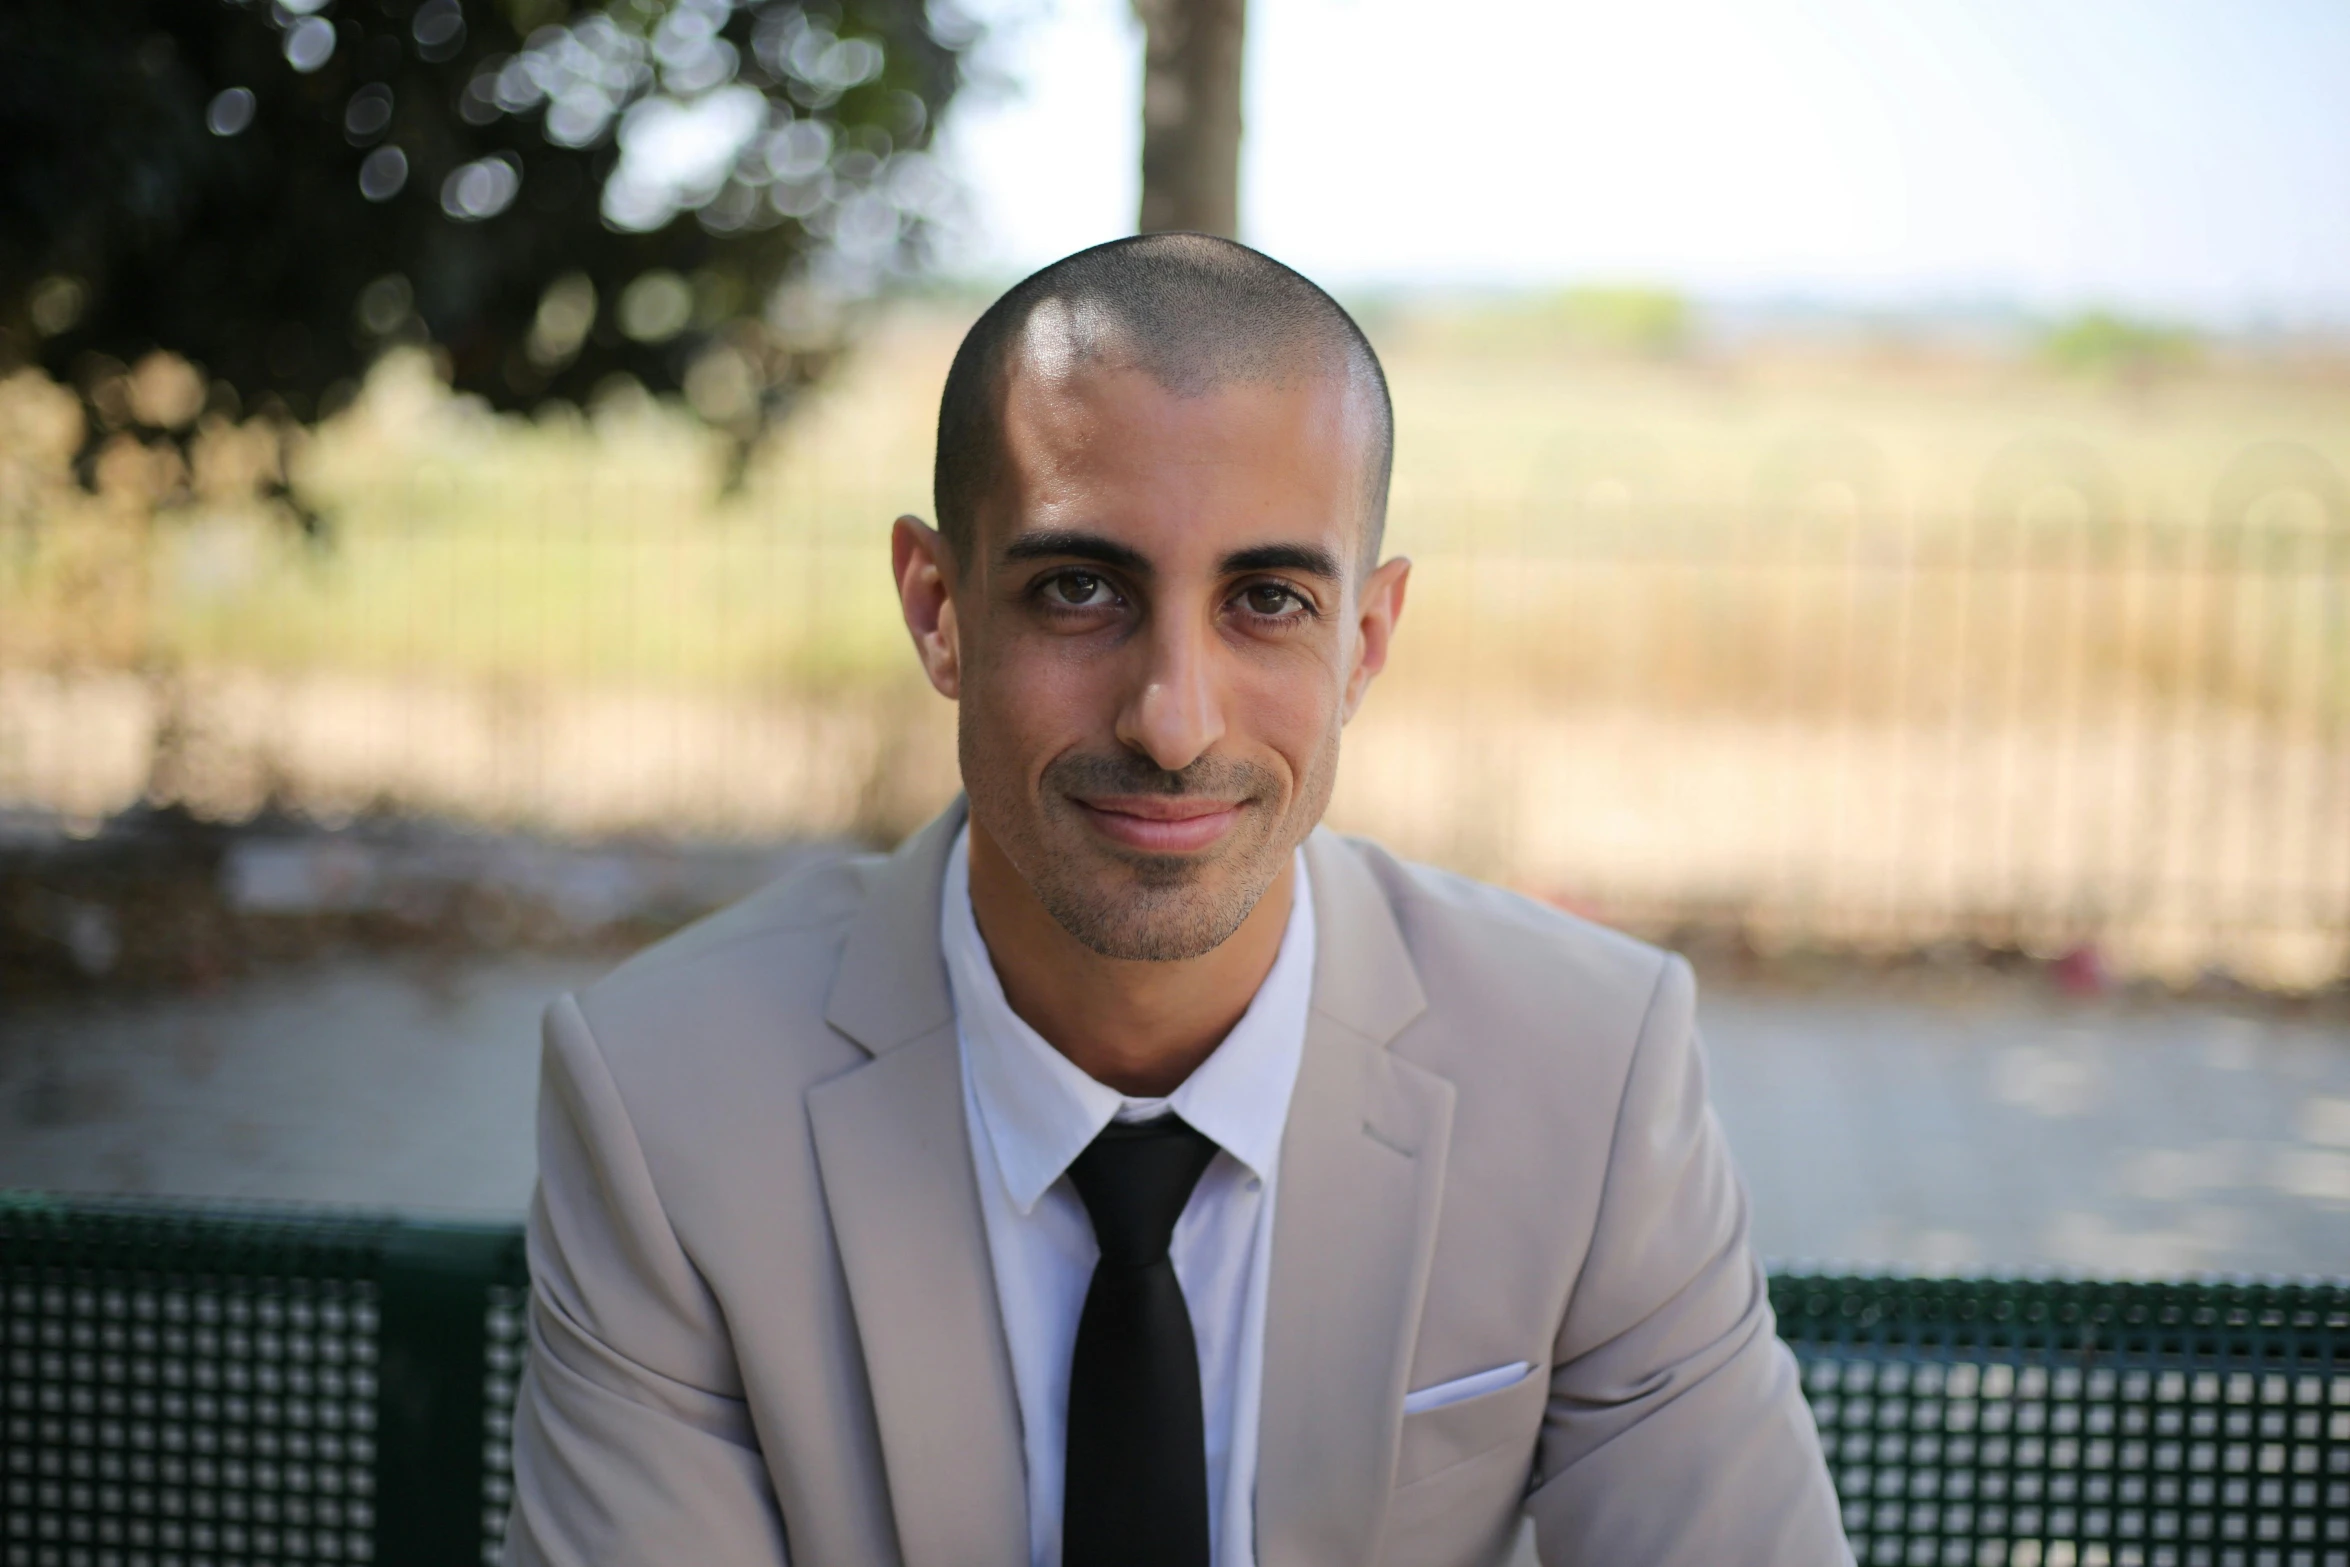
(1135, 1179)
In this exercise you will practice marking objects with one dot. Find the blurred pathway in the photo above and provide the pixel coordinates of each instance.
(2027, 1132)
(399, 1082)
(2010, 1131)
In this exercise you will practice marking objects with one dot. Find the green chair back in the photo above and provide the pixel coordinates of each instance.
(189, 1385)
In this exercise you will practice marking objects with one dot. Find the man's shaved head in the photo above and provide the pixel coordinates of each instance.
(1155, 598)
(1192, 312)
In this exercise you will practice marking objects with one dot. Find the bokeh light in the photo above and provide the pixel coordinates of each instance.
(230, 111)
(383, 174)
(310, 43)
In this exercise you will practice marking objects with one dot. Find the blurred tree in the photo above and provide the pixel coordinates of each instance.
(1191, 114)
(548, 194)
(2099, 342)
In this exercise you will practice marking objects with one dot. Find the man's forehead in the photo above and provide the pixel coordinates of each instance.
(1108, 406)
(1097, 436)
(1115, 428)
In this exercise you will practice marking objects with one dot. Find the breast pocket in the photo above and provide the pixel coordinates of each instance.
(1441, 1432)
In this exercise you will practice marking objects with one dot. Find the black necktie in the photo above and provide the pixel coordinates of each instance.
(1135, 1488)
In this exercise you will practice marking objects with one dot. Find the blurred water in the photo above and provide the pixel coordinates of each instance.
(2005, 1130)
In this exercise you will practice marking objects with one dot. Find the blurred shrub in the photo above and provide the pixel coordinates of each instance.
(1614, 321)
(216, 209)
(2098, 342)
(1634, 320)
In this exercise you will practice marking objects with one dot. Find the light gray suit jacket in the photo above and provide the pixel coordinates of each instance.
(764, 1318)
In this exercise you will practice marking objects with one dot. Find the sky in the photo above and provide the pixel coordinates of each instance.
(2187, 159)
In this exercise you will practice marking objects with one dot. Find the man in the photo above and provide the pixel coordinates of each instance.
(1127, 1171)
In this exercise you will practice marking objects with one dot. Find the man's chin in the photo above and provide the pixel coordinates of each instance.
(1167, 935)
(1117, 872)
(1148, 908)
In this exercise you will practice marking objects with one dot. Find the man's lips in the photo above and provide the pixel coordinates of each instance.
(1162, 823)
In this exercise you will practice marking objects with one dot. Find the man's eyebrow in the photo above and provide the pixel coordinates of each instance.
(1063, 543)
(1311, 559)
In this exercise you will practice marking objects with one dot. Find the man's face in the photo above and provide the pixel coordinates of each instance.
(1164, 629)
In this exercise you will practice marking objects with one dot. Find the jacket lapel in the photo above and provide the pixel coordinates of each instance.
(891, 985)
(1362, 1176)
(894, 1149)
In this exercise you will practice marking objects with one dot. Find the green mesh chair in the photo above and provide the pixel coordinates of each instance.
(188, 1386)
(2060, 1423)
(201, 1386)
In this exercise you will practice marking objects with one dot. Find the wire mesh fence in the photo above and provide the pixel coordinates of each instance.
(2049, 715)
(2042, 732)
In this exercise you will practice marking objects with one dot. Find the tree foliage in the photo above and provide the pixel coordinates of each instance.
(548, 194)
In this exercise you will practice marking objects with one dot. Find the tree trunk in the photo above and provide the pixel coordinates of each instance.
(1191, 114)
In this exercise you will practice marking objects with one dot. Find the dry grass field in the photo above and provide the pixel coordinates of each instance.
(1861, 643)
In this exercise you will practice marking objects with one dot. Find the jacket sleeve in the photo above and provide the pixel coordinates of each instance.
(1676, 1434)
(632, 1442)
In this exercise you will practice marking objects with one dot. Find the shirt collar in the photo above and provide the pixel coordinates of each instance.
(1041, 1111)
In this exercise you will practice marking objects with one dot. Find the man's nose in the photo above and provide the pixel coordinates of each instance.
(1175, 713)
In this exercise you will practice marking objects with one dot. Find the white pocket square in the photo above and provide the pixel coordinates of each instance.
(1460, 1388)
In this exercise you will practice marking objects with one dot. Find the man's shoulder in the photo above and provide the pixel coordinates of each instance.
(1537, 1020)
(1517, 985)
(1454, 922)
(761, 967)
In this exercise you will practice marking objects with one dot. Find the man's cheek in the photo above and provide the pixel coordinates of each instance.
(1068, 695)
(1290, 719)
(1028, 721)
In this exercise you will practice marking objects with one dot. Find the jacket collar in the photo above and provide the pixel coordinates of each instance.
(892, 983)
(1364, 977)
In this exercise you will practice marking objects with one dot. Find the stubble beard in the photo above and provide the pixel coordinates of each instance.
(1128, 904)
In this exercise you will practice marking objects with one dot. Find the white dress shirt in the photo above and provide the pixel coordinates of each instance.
(1032, 1112)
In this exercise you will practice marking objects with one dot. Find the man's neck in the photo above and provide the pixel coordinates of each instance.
(1138, 1027)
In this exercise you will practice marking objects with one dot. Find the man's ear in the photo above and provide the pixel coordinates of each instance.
(925, 571)
(1377, 611)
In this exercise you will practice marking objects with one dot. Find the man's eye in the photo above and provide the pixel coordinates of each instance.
(1078, 590)
(1268, 598)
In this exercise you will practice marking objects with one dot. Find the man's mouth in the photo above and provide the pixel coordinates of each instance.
(1161, 823)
